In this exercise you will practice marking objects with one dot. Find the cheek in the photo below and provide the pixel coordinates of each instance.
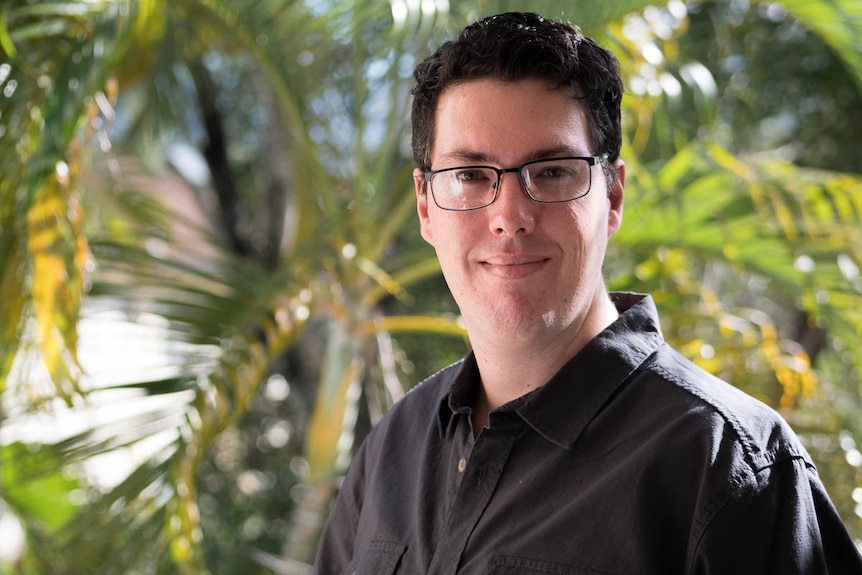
(581, 223)
(453, 228)
(586, 234)
(439, 231)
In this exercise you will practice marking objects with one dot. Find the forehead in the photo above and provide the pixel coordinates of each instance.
(509, 121)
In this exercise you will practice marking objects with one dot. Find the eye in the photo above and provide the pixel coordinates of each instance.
(472, 176)
(563, 173)
(556, 171)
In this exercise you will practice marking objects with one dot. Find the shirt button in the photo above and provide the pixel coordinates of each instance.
(462, 465)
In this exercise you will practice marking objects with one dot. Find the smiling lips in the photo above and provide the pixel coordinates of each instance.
(513, 266)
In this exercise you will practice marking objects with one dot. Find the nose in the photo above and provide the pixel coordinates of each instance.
(513, 212)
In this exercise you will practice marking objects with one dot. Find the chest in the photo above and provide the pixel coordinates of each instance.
(514, 502)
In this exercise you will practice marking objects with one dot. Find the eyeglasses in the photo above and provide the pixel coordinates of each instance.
(547, 181)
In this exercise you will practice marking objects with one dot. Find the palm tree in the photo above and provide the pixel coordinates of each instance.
(295, 247)
(233, 294)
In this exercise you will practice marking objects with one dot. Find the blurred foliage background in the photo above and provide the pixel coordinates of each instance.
(213, 285)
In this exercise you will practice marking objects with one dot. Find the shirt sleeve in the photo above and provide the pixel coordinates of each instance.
(779, 521)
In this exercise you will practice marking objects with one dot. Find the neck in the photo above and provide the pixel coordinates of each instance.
(511, 366)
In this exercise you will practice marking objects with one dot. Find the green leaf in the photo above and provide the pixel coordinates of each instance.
(35, 486)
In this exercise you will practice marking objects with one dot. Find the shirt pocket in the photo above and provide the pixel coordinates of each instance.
(501, 565)
(379, 558)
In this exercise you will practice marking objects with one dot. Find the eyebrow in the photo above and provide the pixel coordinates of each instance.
(475, 156)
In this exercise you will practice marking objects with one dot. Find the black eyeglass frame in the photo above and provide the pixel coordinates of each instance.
(591, 160)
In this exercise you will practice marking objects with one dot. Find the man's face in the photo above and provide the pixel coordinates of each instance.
(518, 268)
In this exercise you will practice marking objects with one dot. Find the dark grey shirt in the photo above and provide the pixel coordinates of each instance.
(630, 460)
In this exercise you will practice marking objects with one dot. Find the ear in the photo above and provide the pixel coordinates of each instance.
(422, 204)
(615, 198)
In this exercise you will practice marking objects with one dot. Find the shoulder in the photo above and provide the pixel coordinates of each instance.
(426, 397)
(759, 504)
(416, 415)
(762, 436)
(402, 431)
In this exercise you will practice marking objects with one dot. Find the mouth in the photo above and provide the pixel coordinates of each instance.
(514, 260)
(513, 266)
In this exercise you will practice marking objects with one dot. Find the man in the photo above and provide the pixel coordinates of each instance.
(572, 439)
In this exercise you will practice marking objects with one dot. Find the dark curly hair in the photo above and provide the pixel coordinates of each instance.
(518, 46)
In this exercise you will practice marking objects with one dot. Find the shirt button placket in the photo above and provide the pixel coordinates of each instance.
(489, 456)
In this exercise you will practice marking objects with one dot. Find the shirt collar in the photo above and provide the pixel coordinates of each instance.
(458, 393)
(562, 408)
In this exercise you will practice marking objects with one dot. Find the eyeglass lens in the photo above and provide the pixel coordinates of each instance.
(471, 187)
